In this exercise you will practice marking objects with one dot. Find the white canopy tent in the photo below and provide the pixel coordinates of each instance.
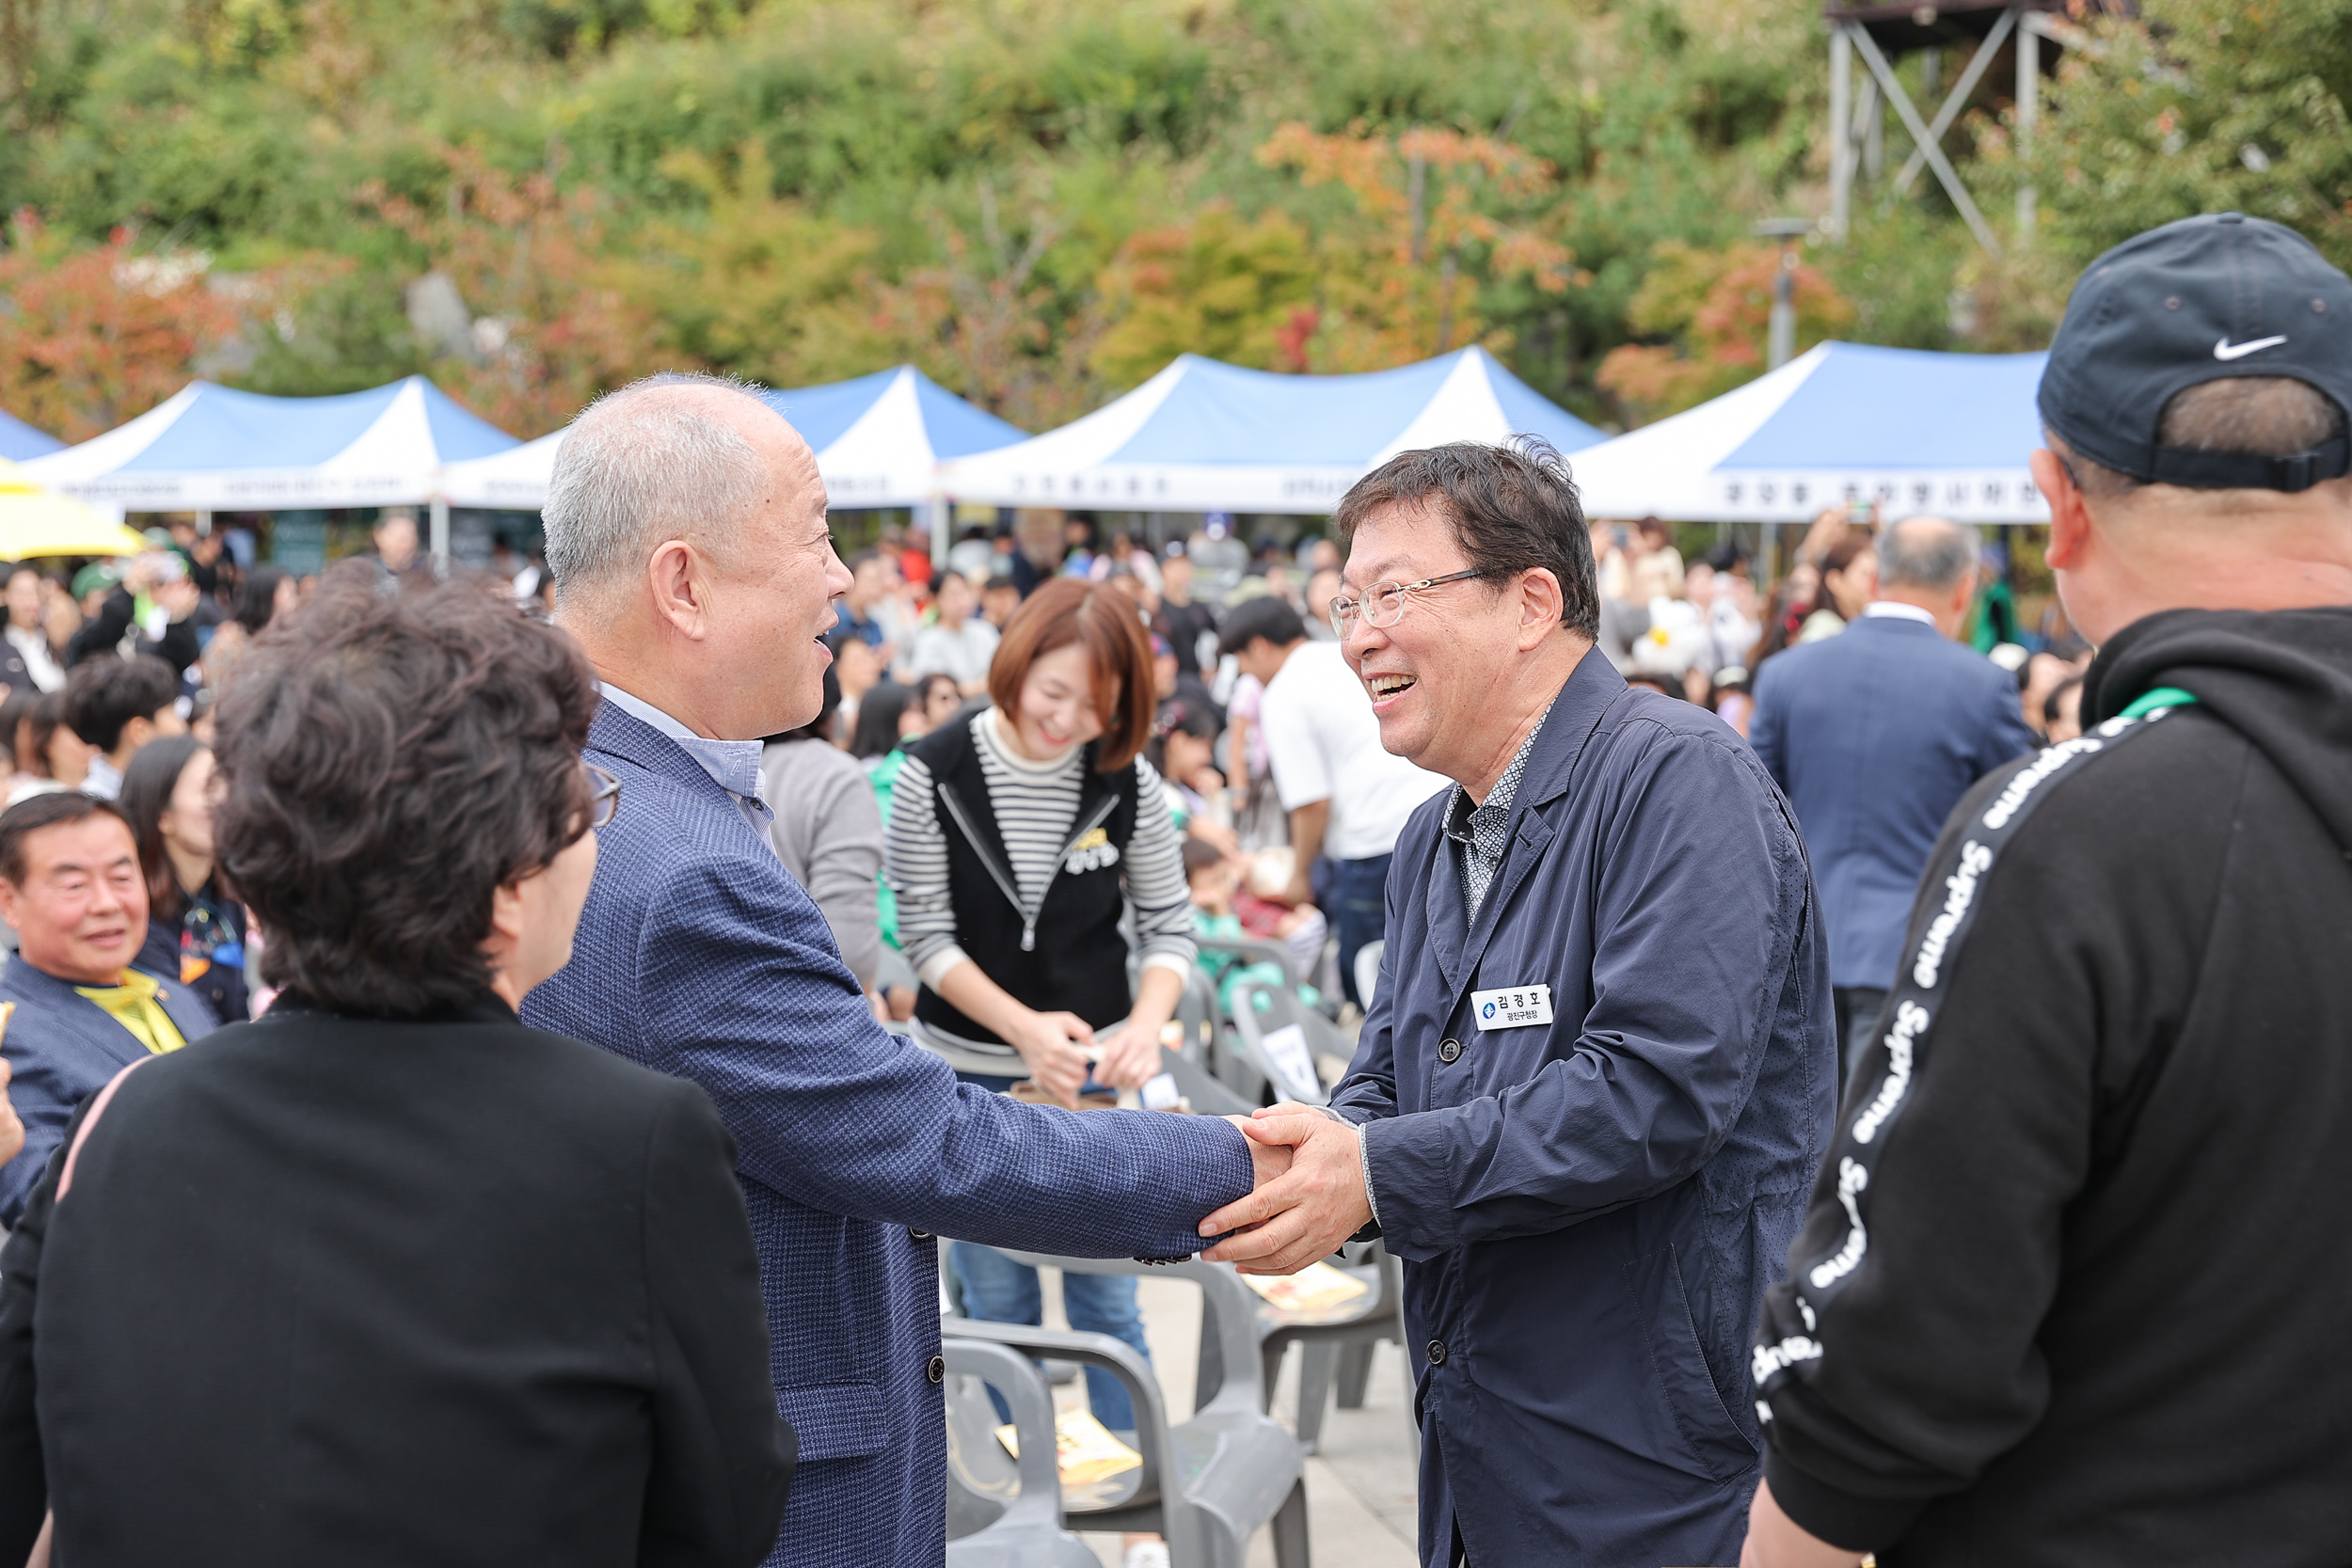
(879, 441)
(1206, 437)
(1907, 430)
(209, 448)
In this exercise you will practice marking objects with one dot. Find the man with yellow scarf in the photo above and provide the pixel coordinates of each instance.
(74, 1010)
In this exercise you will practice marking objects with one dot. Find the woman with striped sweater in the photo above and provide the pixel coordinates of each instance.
(1018, 837)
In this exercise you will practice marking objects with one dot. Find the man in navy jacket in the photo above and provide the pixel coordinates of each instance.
(1596, 1076)
(71, 888)
(687, 531)
(1875, 735)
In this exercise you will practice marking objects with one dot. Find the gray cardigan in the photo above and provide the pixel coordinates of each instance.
(827, 833)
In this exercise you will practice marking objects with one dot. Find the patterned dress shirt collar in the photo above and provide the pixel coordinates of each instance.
(733, 765)
(1482, 833)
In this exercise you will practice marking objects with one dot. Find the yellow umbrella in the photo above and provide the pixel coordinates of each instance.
(35, 521)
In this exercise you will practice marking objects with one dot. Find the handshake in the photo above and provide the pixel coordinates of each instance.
(1309, 1193)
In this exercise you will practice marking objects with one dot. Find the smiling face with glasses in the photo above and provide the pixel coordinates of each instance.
(1441, 644)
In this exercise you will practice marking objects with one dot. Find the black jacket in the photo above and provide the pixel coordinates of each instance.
(1066, 955)
(2076, 1281)
(327, 1289)
(177, 647)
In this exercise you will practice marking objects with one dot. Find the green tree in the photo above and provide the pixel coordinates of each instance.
(2199, 107)
(1239, 292)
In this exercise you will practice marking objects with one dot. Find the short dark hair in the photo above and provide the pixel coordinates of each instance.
(103, 694)
(387, 764)
(876, 732)
(2050, 704)
(1265, 616)
(257, 598)
(998, 581)
(1513, 509)
(146, 788)
(29, 816)
(1200, 855)
(14, 715)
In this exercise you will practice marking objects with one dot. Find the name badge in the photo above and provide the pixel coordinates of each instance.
(1513, 1007)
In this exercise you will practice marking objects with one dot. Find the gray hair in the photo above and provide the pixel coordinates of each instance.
(1927, 552)
(635, 470)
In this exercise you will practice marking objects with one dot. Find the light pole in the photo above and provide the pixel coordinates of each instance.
(1782, 342)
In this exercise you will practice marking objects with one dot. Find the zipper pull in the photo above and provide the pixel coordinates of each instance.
(1028, 936)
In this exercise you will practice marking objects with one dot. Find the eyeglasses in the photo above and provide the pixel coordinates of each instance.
(1383, 604)
(604, 795)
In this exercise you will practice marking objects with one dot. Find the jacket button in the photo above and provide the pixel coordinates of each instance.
(937, 1371)
(919, 1235)
(1436, 1353)
(1450, 1052)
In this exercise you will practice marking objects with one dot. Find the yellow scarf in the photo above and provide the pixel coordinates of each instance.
(133, 1005)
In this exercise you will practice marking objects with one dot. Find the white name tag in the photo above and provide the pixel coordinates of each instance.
(1513, 1007)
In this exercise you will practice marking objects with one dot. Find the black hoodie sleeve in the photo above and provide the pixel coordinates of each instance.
(1900, 1356)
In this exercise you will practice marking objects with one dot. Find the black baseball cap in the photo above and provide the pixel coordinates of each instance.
(2200, 300)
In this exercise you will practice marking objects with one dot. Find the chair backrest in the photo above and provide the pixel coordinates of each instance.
(1280, 1036)
(1212, 1481)
(1252, 950)
(1000, 1510)
(1368, 971)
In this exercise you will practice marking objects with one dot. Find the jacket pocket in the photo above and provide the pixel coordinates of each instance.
(1713, 1443)
(835, 1421)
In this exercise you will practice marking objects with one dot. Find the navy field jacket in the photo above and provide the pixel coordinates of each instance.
(1589, 1209)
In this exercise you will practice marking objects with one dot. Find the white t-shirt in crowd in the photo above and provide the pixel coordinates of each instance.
(1325, 745)
(962, 652)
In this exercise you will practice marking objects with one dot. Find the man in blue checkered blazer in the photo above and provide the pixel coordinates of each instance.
(686, 527)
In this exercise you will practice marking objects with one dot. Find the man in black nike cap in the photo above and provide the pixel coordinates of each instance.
(2075, 1282)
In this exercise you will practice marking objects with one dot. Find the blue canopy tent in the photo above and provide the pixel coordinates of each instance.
(1907, 430)
(19, 440)
(209, 448)
(879, 441)
(1206, 437)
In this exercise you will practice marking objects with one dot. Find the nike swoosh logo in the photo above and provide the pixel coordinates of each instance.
(2227, 350)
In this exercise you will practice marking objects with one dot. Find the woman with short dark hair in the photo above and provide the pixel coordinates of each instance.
(195, 926)
(385, 1277)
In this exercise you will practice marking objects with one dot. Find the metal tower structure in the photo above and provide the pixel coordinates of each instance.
(1878, 35)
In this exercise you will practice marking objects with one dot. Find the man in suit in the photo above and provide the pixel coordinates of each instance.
(71, 888)
(1874, 734)
(686, 530)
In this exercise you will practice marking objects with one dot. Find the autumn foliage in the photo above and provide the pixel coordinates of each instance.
(551, 327)
(93, 335)
(1716, 307)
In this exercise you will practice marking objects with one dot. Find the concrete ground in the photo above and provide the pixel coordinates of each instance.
(1360, 1492)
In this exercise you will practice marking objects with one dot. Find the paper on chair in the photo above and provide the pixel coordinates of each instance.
(1286, 1050)
(1314, 1292)
(1084, 1449)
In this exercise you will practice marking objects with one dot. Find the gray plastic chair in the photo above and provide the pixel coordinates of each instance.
(1368, 971)
(1207, 1485)
(1253, 950)
(1002, 1513)
(1337, 1350)
(1259, 1009)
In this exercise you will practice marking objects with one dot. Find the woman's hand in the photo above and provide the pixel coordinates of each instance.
(1049, 1047)
(1131, 1055)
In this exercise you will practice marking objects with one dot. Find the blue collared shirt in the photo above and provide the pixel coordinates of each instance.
(733, 765)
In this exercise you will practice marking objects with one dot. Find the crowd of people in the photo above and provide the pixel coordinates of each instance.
(1814, 1047)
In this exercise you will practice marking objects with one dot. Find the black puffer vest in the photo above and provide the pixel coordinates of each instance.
(1064, 954)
